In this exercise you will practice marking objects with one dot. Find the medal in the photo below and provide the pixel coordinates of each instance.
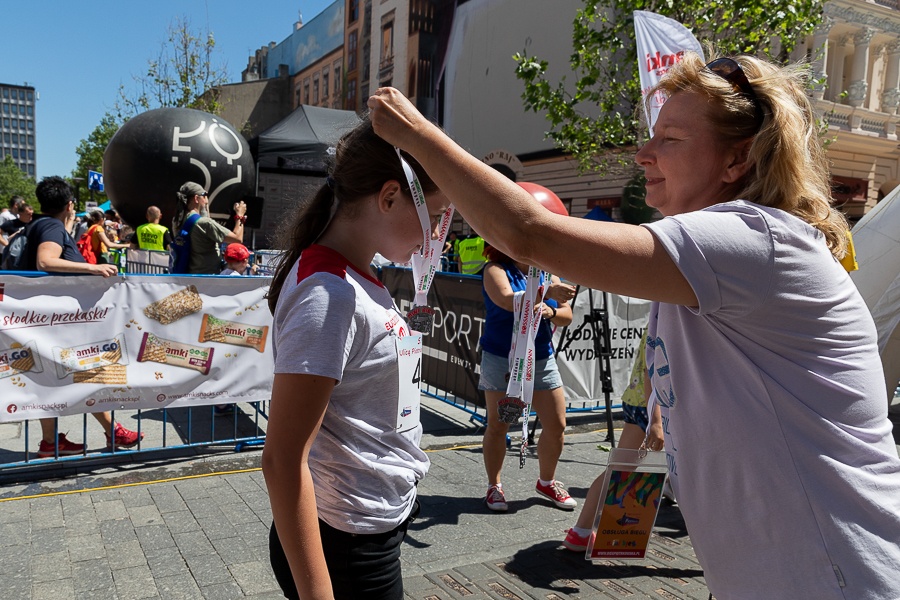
(420, 318)
(510, 409)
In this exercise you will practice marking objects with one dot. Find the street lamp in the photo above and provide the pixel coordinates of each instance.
(76, 181)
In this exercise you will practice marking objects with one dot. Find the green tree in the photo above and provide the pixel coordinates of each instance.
(90, 157)
(14, 182)
(183, 74)
(605, 67)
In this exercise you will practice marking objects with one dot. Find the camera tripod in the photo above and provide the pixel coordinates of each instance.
(597, 322)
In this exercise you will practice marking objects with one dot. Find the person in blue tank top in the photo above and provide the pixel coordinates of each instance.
(502, 278)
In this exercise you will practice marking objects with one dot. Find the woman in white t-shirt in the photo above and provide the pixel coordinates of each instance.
(762, 355)
(342, 455)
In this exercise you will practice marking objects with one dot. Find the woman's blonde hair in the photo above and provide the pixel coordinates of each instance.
(790, 170)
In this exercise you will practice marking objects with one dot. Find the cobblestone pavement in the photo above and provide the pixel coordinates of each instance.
(197, 528)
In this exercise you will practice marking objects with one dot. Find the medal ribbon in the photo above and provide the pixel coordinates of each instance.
(425, 262)
(521, 373)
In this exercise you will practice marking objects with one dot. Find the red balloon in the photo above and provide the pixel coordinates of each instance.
(548, 199)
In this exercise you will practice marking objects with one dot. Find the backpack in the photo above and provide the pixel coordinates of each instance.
(13, 258)
(84, 246)
(180, 257)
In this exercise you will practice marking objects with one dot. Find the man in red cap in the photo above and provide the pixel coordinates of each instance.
(237, 260)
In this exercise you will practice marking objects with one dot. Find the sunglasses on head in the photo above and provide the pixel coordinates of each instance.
(730, 70)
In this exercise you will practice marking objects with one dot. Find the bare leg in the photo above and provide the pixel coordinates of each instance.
(105, 419)
(48, 430)
(631, 438)
(550, 406)
(493, 445)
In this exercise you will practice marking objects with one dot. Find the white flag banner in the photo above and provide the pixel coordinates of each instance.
(71, 345)
(661, 42)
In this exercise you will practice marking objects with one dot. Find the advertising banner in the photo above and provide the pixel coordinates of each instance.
(71, 345)
(450, 349)
(579, 349)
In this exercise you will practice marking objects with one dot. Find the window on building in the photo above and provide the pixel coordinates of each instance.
(30, 140)
(31, 155)
(324, 84)
(6, 137)
(31, 96)
(31, 170)
(6, 123)
(351, 94)
(30, 111)
(337, 79)
(6, 93)
(15, 123)
(352, 49)
(15, 153)
(354, 11)
(31, 125)
(6, 109)
(15, 109)
(316, 89)
(21, 94)
(306, 92)
(387, 43)
(297, 96)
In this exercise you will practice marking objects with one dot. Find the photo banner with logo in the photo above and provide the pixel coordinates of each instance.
(72, 345)
(661, 43)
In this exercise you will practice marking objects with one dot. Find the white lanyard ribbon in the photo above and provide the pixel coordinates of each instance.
(425, 262)
(522, 360)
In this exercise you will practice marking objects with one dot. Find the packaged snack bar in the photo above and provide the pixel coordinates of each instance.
(175, 306)
(214, 329)
(20, 359)
(113, 374)
(168, 352)
(90, 356)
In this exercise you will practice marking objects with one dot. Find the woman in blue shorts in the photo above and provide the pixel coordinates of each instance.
(503, 277)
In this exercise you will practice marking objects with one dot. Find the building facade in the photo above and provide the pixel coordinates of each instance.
(18, 129)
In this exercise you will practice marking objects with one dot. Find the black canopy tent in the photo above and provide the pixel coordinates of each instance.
(292, 158)
(300, 141)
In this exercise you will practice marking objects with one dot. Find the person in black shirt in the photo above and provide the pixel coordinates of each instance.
(50, 248)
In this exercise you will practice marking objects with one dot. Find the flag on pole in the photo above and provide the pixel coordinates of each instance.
(661, 42)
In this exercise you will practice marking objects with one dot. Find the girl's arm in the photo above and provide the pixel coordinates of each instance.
(496, 286)
(298, 407)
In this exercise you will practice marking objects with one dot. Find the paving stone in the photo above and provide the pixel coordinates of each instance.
(62, 589)
(85, 547)
(135, 583)
(52, 566)
(143, 516)
(125, 555)
(254, 577)
(178, 587)
(92, 575)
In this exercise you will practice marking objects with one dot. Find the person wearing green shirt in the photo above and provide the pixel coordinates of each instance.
(151, 235)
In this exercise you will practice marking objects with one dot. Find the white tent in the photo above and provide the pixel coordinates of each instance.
(877, 240)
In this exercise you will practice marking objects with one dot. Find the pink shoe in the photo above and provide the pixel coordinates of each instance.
(125, 438)
(575, 542)
(63, 445)
(557, 494)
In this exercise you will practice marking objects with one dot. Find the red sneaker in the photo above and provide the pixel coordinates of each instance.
(557, 494)
(575, 542)
(63, 445)
(125, 438)
(495, 500)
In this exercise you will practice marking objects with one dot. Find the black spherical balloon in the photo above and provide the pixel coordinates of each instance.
(155, 152)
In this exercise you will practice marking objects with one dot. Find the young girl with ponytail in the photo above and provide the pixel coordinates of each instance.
(342, 454)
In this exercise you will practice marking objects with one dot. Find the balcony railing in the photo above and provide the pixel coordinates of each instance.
(859, 120)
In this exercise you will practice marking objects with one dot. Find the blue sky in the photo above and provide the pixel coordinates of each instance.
(76, 54)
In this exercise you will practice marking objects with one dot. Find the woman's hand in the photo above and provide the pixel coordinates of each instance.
(394, 117)
(561, 292)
